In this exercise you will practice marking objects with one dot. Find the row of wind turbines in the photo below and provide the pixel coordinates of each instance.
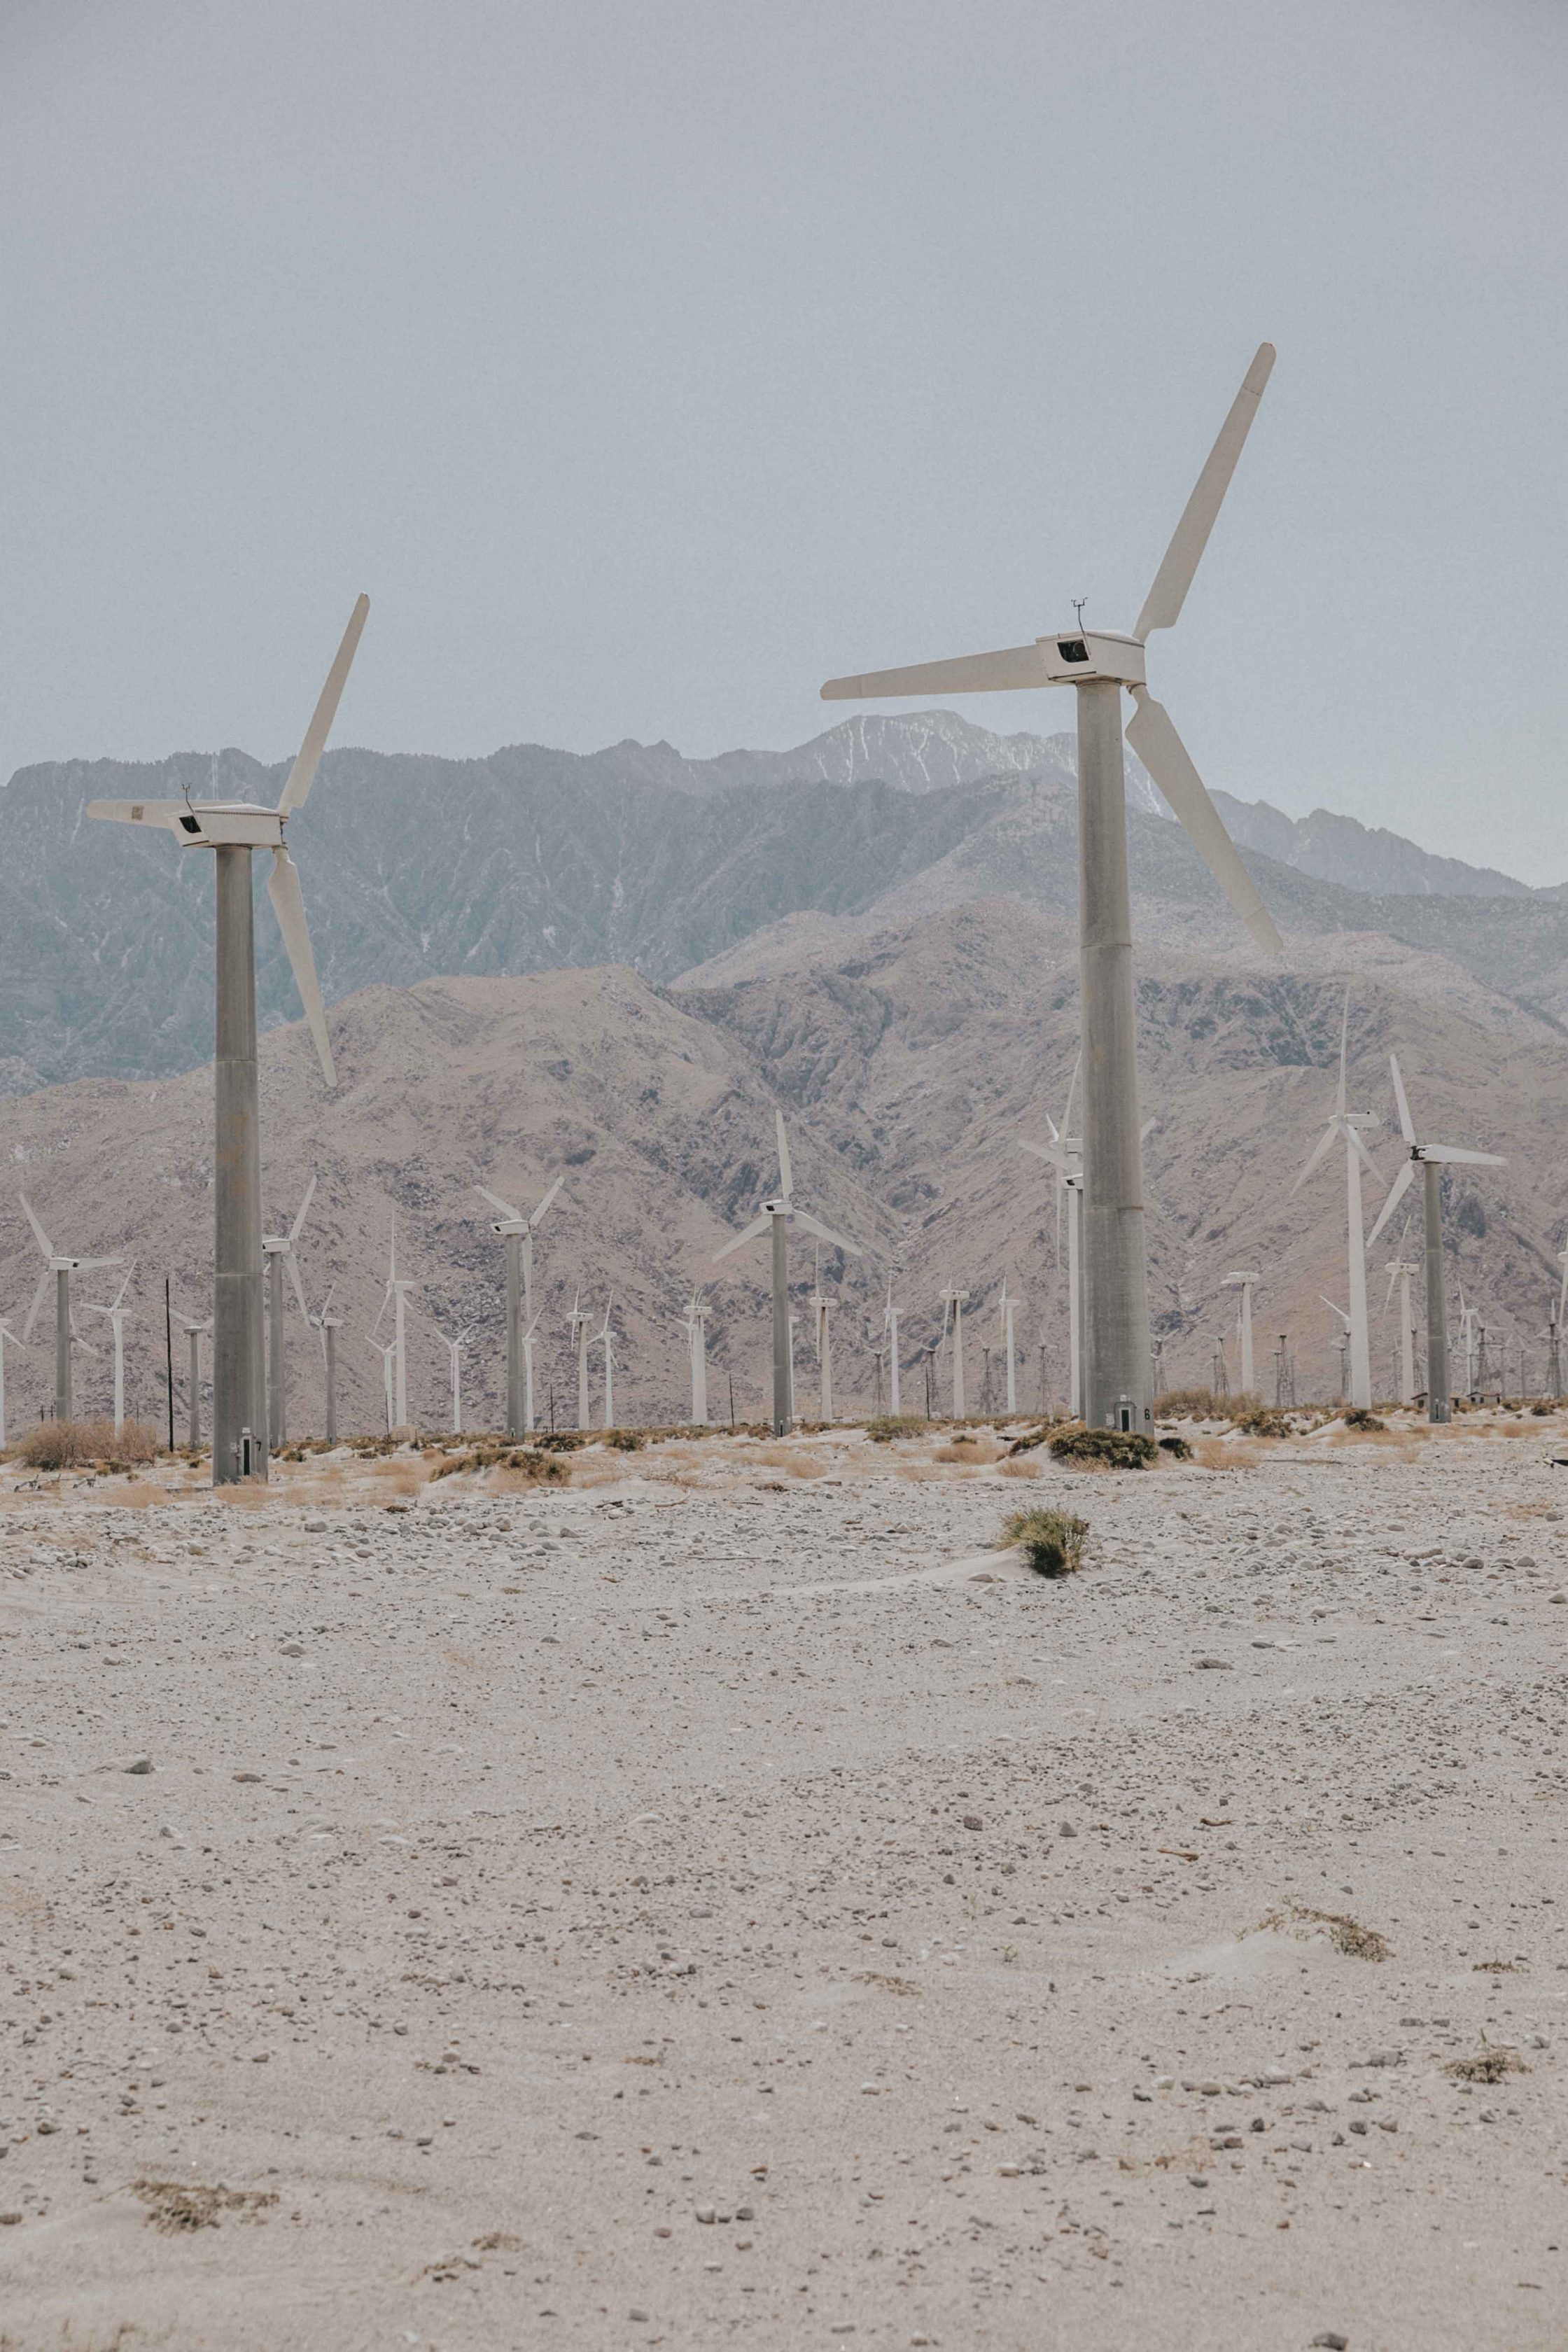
(1113, 1357)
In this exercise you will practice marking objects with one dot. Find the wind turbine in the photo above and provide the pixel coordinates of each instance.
(279, 1251)
(1468, 1318)
(953, 1305)
(1431, 1159)
(1007, 1306)
(890, 1327)
(775, 1219)
(232, 829)
(454, 1349)
(328, 1325)
(396, 1292)
(8, 1337)
(1245, 1284)
(517, 1231)
(1400, 1271)
(525, 1341)
(66, 1332)
(1344, 1343)
(1065, 1154)
(1349, 1124)
(821, 1308)
(117, 1313)
(192, 1331)
(604, 1338)
(697, 1348)
(385, 1349)
(578, 1324)
(1118, 1361)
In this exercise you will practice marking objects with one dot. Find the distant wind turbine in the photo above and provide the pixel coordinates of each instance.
(775, 1219)
(954, 1302)
(66, 1333)
(890, 1327)
(117, 1313)
(1007, 1306)
(1064, 1153)
(454, 1349)
(1245, 1284)
(821, 1308)
(696, 1349)
(387, 1349)
(518, 1230)
(193, 1332)
(578, 1323)
(7, 1338)
(604, 1338)
(329, 1325)
(1400, 1270)
(1431, 1159)
(398, 1289)
(1348, 1125)
(279, 1250)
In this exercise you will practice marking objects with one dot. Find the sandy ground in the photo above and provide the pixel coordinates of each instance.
(720, 1903)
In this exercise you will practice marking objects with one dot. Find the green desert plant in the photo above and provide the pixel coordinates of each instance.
(1261, 1421)
(1051, 1541)
(1103, 1449)
(625, 1441)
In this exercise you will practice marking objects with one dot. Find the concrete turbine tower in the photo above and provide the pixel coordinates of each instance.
(7, 1338)
(194, 1331)
(578, 1325)
(774, 1220)
(117, 1313)
(279, 1251)
(1118, 1363)
(395, 1297)
(1431, 1159)
(1400, 1270)
(66, 1335)
(1008, 1303)
(890, 1328)
(329, 1325)
(1351, 1125)
(697, 1352)
(232, 829)
(1246, 1284)
(604, 1338)
(517, 1231)
(954, 1302)
(821, 1309)
(1064, 1153)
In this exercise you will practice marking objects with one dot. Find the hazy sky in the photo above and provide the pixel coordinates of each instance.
(649, 363)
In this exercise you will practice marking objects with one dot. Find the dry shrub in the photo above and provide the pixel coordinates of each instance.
(1346, 1935)
(1196, 1404)
(1103, 1449)
(538, 1469)
(1051, 1541)
(1488, 2065)
(1227, 1454)
(1020, 1470)
(174, 2206)
(885, 1426)
(1261, 1421)
(72, 1444)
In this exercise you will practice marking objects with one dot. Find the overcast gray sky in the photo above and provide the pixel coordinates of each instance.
(649, 363)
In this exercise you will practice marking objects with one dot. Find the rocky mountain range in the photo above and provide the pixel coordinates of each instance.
(416, 868)
(908, 1055)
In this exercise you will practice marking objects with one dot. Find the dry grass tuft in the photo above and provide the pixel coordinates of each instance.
(887, 1426)
(173, 2205)
(538, 1469)
(1345, 1933)
(1051, 1541)
(1488, 2065)
(1020, 1470)
(78, 1444)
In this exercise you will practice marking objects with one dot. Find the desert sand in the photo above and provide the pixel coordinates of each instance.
(722, 1900)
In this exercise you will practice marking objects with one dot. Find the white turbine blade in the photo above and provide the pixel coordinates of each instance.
(1344, 1037)
(289, 906)
(1153, 737)
(83, 1263)
(1052, 1154)
(166, 814)
(548, 1198)
(1163, 605)
(39, 1234)
(1319, 1147)
(749, 1234)
(40, 1296)
(298, 1285)
(1072, 1089)
(1393, 1278)
(1339, 1311)
(786, 1181)
(965, 674)
(496, 1202)
(1406, 1127)
(1447, 1152)
(1397, 1192)
(297, 1226)
(826, 1234)
(1147, 1129)
(1357, 1145)
(303, 774)
(126, 1284)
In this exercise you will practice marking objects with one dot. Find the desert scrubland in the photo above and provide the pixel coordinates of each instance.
(721, 1900)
